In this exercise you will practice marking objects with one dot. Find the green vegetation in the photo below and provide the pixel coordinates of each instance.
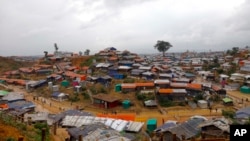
(228, 113)
(166, 103)
(30, 133)
(198, 97)
(144, 97)
(162, 46)
(74, 97)
(128, 80)
(90, 61)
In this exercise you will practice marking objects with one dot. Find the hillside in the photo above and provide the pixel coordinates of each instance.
(7, 64)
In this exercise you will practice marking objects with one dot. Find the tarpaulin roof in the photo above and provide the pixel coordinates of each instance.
(3, 93)
(189, 128)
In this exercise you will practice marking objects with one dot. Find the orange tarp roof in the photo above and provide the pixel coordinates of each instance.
(128, 85)
(144, 84)
(113, 58)
(216, 88)
(85, 68)
(4, 106)
(128, 117)
(194, 86)
(165, 91)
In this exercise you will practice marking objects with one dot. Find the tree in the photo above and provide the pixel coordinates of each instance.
(80, 53)
(45, 55)
(86, 52)
(162, 46)
(56, 48)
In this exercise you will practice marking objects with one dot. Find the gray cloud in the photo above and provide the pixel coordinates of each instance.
(29, 27)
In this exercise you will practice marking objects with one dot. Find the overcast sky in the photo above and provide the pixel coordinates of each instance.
(30, 27)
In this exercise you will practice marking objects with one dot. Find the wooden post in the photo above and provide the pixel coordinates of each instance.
(43, 134)
(55, 128)
(80, 138)
(174, 137)
(20, 138)
(203, 136)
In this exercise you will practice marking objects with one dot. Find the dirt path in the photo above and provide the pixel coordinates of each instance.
(179, 114)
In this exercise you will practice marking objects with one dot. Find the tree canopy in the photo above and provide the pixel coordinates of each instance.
(162, 46)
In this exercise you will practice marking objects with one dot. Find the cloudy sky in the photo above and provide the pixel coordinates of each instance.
(29, 27)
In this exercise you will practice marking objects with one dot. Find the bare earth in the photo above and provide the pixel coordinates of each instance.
(179, 114)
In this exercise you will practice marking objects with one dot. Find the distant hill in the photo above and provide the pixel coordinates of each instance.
(7, 64)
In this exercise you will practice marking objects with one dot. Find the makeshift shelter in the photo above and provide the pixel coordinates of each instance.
(177, 95)
(97, 131)
(21, 104)
(202, 104)
(122, 116)
(65, 83)
(162, 83)
(175, 85)
(217, 90)
(118, 87)
(150, 103)
(148, 75)
(218, 127)
(165, 126)
(128, 87)
(151, 124)
(242, 115)
(105, 101)
(75, 83)
(3, 93)
(186, 129)
(245, 89)
(144, 86)
(38, 84)
(3, 105)
(126, 104)
(227, 101)
(104, 79)
(59, 96)
(118, 76)
(13, 96)
(190, 75)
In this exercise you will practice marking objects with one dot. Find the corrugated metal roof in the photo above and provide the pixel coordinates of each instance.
(105, 135)
(119, 125)
(160, 81)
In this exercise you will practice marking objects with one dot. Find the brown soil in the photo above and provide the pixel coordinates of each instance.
(7, 131)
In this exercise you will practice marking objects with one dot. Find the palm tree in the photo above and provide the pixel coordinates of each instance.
(162, 46)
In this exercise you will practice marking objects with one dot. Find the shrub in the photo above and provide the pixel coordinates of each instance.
(228, 113)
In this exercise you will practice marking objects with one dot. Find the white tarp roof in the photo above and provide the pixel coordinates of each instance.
(117, 124)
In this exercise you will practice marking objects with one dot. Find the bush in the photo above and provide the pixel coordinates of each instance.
(141, 97)
(74, 98)
(228, 113)
(129, 80)
(85, 95)
(166, 103)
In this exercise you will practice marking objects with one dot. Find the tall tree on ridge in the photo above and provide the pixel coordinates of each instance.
(56, 48)
(162, 46)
